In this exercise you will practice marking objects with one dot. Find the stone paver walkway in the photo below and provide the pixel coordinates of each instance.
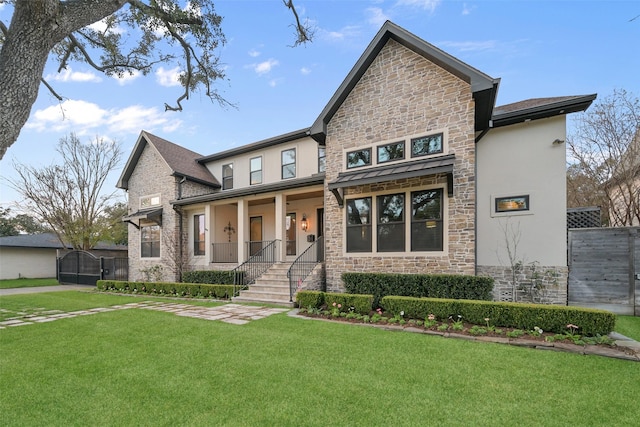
(235, 314)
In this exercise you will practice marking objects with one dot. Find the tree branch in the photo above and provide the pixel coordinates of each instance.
(304, 32)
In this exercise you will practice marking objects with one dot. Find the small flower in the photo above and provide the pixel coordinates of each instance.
(431, 317)
(459, 317)
(334, 304)
(486, 319)
(339, 305)
(402, 313)
(572, 326)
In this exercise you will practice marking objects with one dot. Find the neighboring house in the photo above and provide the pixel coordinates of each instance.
(34, 255)
(409, 168)
(623, 189)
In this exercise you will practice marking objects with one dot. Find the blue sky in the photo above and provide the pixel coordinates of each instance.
(538, 48)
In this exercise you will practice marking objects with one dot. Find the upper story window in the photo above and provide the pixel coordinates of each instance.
(198, 235)
(322, 159)
(255, 176)
(356, 159)
(425, 145)
(289, 163)
(149, 201)
(227, 176)
(390, 152)
(150, 241)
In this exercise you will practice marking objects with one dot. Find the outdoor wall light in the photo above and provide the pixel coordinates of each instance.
(558, 141)
(304, 224)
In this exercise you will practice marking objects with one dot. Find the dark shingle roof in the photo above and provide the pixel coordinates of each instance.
(539, 108)
(48, 241)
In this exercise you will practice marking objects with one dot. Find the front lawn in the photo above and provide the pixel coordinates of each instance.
(27, 283)
(629, 326)
(142, 367)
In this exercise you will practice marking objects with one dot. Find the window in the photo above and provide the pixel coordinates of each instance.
(512, 204)
(150, 241)
(149, 201)
(391, 226)
(227, 176)
(426, 220)
(426, 145)
(356, 159)
(289, 163)
(359, 225)
(391, 152)
(198, 235)
(256, 171)
(322, 159)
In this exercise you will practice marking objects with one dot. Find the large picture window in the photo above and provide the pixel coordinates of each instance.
(425, 145)
(227, 176)
(150, 241)
(198, 235)
(426, 220)
(256, 171)
(289, 163)
(359, 225)
(391, 228)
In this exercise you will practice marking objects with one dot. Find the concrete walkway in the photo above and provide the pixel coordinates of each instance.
(39, 289)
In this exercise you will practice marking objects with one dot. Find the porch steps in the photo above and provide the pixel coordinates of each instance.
(272, 287)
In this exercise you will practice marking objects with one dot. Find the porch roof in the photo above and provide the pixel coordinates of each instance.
(154, 214)
(289, 184)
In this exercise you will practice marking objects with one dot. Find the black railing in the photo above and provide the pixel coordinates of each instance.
(224, 252)
(263, 258)
(304, 265)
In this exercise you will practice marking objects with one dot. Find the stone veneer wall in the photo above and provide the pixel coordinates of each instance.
(403, 94)
(552, 278)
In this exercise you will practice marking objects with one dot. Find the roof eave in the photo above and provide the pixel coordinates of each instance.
(132, 161)
(544, 111)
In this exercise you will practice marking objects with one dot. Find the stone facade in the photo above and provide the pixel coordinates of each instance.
(534, 283)
(404, 94)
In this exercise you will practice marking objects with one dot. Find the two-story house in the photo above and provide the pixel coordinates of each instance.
(409, 168)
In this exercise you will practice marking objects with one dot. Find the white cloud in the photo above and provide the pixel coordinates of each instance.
(128, 78)
(429, 5)
(469, 45)
(265, 66)
(254, 53)
(342, 34)
(466, 9)
(168, 78)
(376, 16)
(85, 118)
(101, 27)
(305, 71)
(68, 75)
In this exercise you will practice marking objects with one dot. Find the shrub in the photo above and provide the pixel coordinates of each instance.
(217, 277)
(552, 318)
(195, 290)
(362, 304)
(313, 299)
(418, 285)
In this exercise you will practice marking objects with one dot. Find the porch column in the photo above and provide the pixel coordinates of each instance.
(281, 209)
(243, 229)
(208, 238)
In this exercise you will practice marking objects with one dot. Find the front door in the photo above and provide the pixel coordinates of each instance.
(255, 234)
(291, 234)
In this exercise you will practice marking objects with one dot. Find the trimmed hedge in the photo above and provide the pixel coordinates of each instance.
(220, 277)
(419, 285)
(362, 304)
(552, 318)
(195, 290)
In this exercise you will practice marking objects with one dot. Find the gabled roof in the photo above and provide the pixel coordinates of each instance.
(181, 161)
(484, 88)
(48, 241)
(539, 108)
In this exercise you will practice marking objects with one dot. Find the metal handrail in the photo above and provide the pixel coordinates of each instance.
(304, 265)
(255, 266)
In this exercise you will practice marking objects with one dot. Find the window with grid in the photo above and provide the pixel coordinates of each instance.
(255, 176)
(289, 163)
(150, 241)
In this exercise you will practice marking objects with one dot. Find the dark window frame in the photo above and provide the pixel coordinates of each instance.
(364, 150)
(283, 165)
(519, 203)
(383, 146)
(430, 153)
(322, 159)
(199, 246)
(153, 245)
(227, 180)
(384, 245)
(436, 222)
(364, 228)
(252, 172)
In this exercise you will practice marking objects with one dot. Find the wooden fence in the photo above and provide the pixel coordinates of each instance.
(604, 269)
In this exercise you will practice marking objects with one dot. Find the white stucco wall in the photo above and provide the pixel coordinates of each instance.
(33, 263)
(522, 160)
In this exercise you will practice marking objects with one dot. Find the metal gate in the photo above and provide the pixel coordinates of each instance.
(604, 269)
(84, 268)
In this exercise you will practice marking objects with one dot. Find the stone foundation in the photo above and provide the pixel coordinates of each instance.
(534, 283)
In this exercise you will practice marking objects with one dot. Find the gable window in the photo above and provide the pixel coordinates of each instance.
(227, 176)
(426, 220)
(150, 241)
(198, 235)
(391, 152)
(425, 145)
(359, 225)
(149, 201)
(391, 224)
(356, 159)
(255, 176)
(322, 159)
(289, 163)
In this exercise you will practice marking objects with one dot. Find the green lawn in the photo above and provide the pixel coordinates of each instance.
(27, 283)
(629, 326)
(149, 368)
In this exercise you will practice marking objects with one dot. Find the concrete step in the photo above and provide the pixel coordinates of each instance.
(263, 297)
(270, 287)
